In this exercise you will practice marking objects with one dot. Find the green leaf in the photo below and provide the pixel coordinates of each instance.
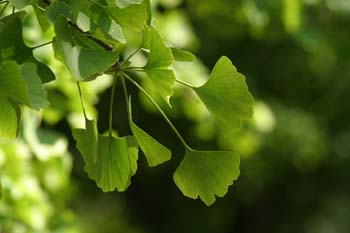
(55, 9)
(10, 116)
(92, 136)
(12, 45)
(37, 94)
(12, 84)
(206, 174)
(163, 81)
(226, 95)
(106, 24)
(183, 55)
(160, 55)
(157, 67)
(116, 160)
(122, 3)
(132, 17)
(19, 4)
(155, 152)
(149, 11)
(41, 15)
(83, 63)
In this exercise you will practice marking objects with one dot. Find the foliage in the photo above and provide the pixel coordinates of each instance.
(90, 39)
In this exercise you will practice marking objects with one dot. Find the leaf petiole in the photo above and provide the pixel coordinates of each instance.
(41, 45)
(111, 106)
(81, 100)
(184, 83)
(160, 110)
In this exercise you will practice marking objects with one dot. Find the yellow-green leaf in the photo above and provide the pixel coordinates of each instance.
(206, 174)
(226, 95)
(155, 152)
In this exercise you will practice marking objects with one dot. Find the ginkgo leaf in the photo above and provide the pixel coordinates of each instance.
(163, 81)
(106, 24)
(55, 9)
(92, 137)
(226, 95)
(183, 55)
(36, 91)
(10, 116)
(12, 84)
(116, 160)
(123, 3)
(206, 174)
(149, 11)
(12, 45)
(19, 4)
(155, 152)
(83, 63)
(160, 58)
(132, 17)
(160, 55)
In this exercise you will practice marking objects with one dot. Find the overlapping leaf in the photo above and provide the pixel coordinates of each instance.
(9, 117)
(12, 46)
(206, 174)
(36, 92)
(132, 17)
(115, 161)
(155, 152)
(84, 63)
(19, 4)
(226, 95)
(157, 67)
(182, 55)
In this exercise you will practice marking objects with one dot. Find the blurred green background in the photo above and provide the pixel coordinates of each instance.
(295, 152)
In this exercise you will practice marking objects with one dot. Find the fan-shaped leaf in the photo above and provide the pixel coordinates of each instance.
(183, 55)
(19, 4)
(226, 95)
(36, 91)
(10, 116)
(12, 84)
(132, 17)
(160, 58)
(155, 152)
(116, 160)
(83, 63)
(206, 174)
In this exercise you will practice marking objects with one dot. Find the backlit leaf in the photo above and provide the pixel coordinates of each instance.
(157, 67)
(132, 17)
(83, 63)
(226, 95)
(9, 118)
(37, 94)
(183, 55)
(206, 174)
(12, 45)
(116, 160)
(19, 4)
(12, 84)
(155, 152)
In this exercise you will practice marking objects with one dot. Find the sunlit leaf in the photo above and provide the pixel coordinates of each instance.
(9, 118)
(37, 94)
(163, 81)
(149, 11)
(19, 4)
(83, 63)
(55, 9)
(226, 95)
(155, 152)
(132, 17)
(12, 45)
(12, 84)
(116, 160)
(160, 58)
(183, 55)
(206, 174)
(122, 3)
